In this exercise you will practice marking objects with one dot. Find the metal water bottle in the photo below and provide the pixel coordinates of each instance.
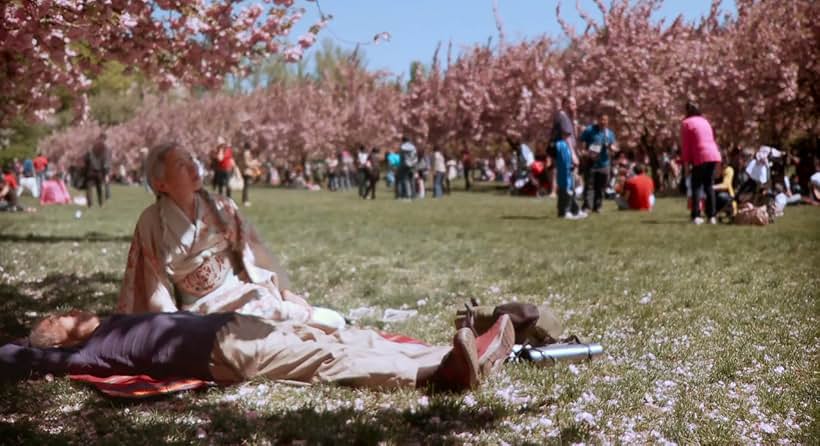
(549, 355)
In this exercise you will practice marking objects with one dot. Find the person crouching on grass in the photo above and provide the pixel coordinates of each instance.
(242, 347)
(638, 192)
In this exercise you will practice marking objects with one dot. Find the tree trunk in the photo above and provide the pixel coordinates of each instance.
(653, 160)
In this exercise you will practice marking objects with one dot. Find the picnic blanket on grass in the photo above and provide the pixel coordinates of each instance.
(138, 386)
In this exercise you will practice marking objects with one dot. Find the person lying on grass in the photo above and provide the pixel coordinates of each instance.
(232, 347)
(194, 251)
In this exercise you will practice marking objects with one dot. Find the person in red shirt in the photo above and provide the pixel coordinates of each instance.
(40, 164)
(224, 167)
(638, 192)
(8, 192)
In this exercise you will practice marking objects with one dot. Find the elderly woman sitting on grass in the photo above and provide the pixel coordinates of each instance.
(231, 347)
(194, 251)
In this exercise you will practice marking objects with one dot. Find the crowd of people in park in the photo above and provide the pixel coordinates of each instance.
(581, 166)
(50, 185)
(198, 272)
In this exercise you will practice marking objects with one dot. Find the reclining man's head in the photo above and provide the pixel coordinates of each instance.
(63, 329)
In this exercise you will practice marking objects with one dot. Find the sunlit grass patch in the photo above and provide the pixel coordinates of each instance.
(711, 333)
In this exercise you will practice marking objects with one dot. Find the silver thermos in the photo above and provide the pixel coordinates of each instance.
(549, 355)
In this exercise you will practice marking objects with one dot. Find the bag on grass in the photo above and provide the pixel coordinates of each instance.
(748, 214)
(236, 182)
(535, 325)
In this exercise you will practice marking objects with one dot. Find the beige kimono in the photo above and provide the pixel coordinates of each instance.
(214, 264)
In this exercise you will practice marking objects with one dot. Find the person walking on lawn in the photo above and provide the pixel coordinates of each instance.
(699, 150)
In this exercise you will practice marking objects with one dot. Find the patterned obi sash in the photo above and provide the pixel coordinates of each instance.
(207, 277)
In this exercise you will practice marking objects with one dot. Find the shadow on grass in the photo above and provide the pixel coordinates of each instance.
(21, 305)
(26, 432)
(226, 423)
(88, 237)
(482, 187)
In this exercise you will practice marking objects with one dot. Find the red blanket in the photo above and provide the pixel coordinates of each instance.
(138, 386)
(143, 386)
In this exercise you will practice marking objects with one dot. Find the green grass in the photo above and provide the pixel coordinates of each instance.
(725, 350)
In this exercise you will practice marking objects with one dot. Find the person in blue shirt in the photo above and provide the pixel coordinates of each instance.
(599, 142)
(565, 162)
(28, 167)
(393, 162)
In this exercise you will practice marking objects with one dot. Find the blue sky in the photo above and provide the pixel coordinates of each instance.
(416, 26)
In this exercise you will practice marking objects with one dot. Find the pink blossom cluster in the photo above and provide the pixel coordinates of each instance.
(285, 121)
(754, 74)
(52, 45)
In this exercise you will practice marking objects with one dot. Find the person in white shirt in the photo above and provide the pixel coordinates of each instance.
(500, 167)
(439, 172)
(758, 170)
(362, 176)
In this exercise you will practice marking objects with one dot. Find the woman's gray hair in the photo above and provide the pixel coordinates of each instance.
(155, 162)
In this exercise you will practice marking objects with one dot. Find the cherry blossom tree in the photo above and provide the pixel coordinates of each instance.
(755, 74)
(286, 121)
(51, 46)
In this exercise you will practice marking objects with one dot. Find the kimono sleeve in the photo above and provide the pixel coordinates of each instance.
(145, 288)
(255, 254)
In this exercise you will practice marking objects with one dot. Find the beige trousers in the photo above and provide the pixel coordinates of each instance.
(248, 347)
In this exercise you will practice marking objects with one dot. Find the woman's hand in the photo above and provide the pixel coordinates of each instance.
(289, 296)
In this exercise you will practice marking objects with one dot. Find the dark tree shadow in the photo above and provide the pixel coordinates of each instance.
(21, 304)
(27, 433)
(483, 187)
(231, 424)
(88, 237)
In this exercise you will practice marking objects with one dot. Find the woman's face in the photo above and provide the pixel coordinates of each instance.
(181, 174)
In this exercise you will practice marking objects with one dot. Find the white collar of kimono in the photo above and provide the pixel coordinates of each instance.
(184, 243)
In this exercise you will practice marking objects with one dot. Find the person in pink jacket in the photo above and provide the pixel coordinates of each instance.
(54, 191)
(701, 152)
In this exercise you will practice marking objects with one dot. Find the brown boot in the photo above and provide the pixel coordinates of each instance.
(495, 345)
(459, 370)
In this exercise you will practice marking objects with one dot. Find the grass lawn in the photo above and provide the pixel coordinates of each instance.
(711, 333)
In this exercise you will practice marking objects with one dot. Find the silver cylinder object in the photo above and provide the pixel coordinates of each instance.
(550, 354)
